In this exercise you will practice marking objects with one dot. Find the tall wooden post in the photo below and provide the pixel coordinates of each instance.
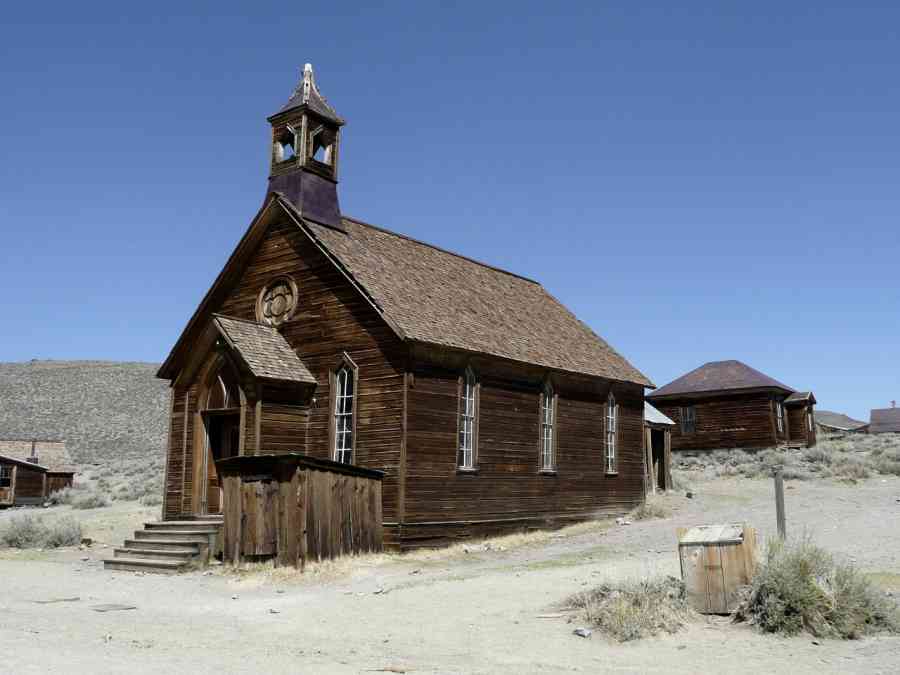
(779, 503)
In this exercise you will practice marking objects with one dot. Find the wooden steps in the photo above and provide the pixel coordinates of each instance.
(168, 547)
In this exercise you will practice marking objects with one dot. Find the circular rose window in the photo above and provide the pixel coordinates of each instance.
(277, 301)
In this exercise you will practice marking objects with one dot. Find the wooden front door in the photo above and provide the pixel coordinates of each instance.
(223, 434)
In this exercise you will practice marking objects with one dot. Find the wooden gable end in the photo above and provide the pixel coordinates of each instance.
(332, 319)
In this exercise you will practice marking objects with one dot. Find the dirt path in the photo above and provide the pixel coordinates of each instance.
(477, 612)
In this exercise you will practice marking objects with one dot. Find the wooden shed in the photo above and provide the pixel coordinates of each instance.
(294, 509)
(885, 420)
(48, 453)
(728, 404)
(21, 483)
(658, 448)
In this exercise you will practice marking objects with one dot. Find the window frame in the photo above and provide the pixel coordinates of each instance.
(688, 415)
(463, 383)
(345, 363)
(779, 416)
(548, 392)
(8, 470)
(611, 435)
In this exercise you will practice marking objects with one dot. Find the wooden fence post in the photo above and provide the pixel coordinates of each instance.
(779, 503)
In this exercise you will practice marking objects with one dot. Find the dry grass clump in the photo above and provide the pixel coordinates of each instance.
(800, 587)
(31, 531)
(653, 507)
(265, 573)
(637, 609)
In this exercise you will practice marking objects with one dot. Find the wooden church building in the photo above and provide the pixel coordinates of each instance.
(488, 406)
(728, 404)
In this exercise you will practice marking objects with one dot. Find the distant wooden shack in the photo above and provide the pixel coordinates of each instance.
(21, 483)
(728, 404)
(885, 420)
(30, 470)
(658, 448)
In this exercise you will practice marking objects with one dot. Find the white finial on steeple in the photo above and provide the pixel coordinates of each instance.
(308, 82)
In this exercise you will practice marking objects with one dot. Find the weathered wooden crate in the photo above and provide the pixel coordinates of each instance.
(716, 560)
(292, 509)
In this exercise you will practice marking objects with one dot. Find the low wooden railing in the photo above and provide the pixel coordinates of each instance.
(293, 509)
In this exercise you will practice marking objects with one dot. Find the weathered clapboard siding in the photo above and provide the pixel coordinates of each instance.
(29, 485)
(175, 461)
(797, 420)
(507, 491)
(727, 421)
(295, 510)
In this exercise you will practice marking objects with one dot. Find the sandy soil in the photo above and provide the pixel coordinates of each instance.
(478, 612)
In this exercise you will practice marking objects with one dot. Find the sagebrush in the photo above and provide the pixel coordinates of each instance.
(801, 587)
(29, 530)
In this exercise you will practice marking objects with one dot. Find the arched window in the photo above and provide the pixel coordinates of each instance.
(344, 390)
(224, 391)
(468, 411)
(548, 428)
(612, 427)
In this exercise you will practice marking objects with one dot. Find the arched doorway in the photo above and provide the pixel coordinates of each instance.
(220, 404)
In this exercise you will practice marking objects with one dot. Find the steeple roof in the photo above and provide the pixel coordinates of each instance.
(306, 94)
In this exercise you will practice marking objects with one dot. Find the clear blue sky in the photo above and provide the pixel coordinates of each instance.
(708, 181)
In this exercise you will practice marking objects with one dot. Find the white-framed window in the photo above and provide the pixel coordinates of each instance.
(688, 419)
(612, 428)
(548, 428)
(467, 419)
(5, 476)
(343, 415)
(779, 416)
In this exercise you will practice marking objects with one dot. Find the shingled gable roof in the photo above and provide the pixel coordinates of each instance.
(263, 350)
(719, 376)
(429, 295)
(52, 455)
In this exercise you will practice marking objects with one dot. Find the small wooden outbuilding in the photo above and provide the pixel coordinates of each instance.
(21, 483)
(658, 448)
(26, 463)
(728, 404)
(885, 420)
(293, 509)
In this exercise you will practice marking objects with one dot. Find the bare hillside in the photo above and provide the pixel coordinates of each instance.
(106, 411)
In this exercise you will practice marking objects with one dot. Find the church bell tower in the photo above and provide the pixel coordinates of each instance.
(306, 136)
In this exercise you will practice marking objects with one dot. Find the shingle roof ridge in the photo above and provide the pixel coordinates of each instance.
(438, 248)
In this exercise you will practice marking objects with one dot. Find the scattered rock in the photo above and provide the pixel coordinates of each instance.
(207, 573)
(689, 494)
(86, 541)
(416, 571)
(234, 597)
(85, 559)
(583, 632)
(280, 591)
(274, 611)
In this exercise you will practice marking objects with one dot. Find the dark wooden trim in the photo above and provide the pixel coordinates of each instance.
(165, 492)
(401, 468)
(188, 421)
(262, 464)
